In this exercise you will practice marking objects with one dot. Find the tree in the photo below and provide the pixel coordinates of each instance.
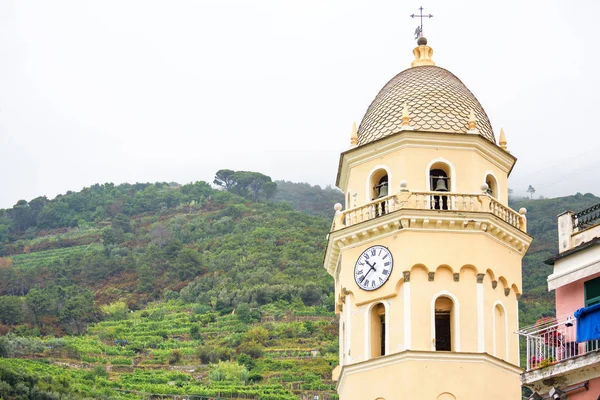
(225, 179)
(11, 310)
(531, 191)
(39, 303)
(268, 189)
(160, 235)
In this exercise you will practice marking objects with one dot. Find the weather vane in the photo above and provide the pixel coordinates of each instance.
(419, 30)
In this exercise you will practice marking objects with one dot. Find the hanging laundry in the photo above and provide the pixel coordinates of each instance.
(588, 323)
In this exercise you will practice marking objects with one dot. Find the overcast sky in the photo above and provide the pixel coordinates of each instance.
(145, 91)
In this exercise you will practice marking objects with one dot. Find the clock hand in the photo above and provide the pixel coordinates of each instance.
(362, 279)
(371, 268)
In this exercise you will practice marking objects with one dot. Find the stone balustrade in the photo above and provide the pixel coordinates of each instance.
(438, 201)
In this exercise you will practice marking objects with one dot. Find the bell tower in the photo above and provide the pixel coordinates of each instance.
(425, 253)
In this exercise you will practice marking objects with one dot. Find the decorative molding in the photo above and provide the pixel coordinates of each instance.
(506, 291)
(494, 284)
(422, 140)
(465, 222)
(406, 275)
(409, 356)
(456, 276)
(480, 278)
(431, 276)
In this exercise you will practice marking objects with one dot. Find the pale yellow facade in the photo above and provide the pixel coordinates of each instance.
(456, 267)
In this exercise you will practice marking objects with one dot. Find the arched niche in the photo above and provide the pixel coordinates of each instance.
(500, 330)
(446, 396)
(378, 183)
(440, 178)
(377, 330)
(445, 322)
(434, 167)
(492, 183)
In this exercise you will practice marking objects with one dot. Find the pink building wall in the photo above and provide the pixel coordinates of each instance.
(570, 297)
(592, 394)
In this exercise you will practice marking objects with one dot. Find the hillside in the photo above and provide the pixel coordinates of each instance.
(542, 225)
(122, 291)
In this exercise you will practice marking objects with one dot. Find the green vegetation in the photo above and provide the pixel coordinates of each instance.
(117, 292)
(542, 225)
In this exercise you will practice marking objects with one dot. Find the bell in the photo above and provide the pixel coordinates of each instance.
(383, 189)
(440, 185)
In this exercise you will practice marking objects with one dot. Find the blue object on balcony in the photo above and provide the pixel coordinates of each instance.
(588, 323)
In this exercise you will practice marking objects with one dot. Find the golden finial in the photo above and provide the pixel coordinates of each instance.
(354, 135)
(472, 125)
(502, 140)
(472, 120)
(405, 125)
(422, 54)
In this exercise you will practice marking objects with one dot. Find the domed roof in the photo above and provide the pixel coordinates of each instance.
(437, 101)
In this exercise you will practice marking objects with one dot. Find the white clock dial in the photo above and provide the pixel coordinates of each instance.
(373, 267)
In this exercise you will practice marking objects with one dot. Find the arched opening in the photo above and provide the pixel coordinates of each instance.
(500, 334)
(492, 184)
(439, 181)
(378, 336)
(378, 188)
(378, 184)
(444, 322)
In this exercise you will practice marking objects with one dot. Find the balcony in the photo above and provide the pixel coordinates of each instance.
(426, 211)
(553, 355)
(439, 201)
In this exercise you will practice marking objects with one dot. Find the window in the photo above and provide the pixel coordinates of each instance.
(379, 188)
(591, 290)
(378, 337)
(378, 184)
(492, 190)
(443, 324)
(439, 181)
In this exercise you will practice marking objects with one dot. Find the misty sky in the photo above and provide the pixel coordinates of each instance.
(126, 91)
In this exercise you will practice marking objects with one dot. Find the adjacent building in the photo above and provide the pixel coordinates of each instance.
(559, 361)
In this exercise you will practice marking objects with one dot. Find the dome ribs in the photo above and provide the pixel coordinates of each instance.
(437, 99)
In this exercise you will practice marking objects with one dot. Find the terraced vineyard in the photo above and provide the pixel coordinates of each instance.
(171, 348)
(49, 257)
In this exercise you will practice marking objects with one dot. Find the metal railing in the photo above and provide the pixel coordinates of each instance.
(586, 218)
(442, 201)
(553, 341)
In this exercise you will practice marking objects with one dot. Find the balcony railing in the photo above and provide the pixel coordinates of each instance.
(553, 342)
(441, 201)
(586, 218)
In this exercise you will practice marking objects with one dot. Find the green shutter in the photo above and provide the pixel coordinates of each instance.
(592, 292)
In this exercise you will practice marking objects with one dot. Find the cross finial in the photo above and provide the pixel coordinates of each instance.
(419, 30)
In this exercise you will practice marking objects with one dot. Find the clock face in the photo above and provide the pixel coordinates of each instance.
(373, 267)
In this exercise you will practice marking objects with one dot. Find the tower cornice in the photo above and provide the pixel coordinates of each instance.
(422, 139)
(406, 220)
